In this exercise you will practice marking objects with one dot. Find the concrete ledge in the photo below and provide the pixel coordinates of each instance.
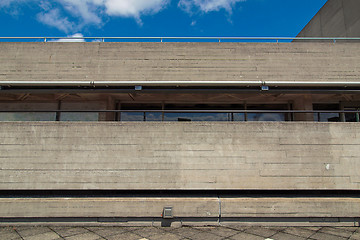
(206, 208)
(107, 207)
(124, 62)
(290, 207)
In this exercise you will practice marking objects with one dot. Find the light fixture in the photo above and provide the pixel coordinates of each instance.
(264, 88)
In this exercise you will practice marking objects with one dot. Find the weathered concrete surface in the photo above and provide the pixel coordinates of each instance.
(159, 155)
(290, 207)
(204, 207)
(337, 18)
(97, 62)
(108, 207)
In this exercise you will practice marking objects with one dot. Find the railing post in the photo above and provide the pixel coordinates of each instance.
(45, 39)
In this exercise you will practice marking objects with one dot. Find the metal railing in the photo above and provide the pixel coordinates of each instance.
(183, 111)
(181, 39)
(231, 112)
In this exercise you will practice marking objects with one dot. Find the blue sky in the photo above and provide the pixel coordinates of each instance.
(156, 17)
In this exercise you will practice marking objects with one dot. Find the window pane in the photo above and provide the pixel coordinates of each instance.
(153, 116)
(267, 117)
(329, 117)
(239, 117)
(132, 116)
(326, 117)
(28, 116)
(83, 116)
(197, 117)
(352, 117)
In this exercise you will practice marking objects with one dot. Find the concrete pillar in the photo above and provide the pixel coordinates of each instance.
(303, 103)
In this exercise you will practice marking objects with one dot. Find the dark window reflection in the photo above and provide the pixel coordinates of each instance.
(352, 117)
(268, 117)
(202, 116)
(197, 117)
(326, 117)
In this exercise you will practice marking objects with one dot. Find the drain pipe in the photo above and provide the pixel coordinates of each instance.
(181, 83)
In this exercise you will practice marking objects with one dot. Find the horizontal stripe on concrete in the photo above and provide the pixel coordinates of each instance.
(179, 156)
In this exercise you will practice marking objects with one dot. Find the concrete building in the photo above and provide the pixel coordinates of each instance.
(180, 132)
(338, 18)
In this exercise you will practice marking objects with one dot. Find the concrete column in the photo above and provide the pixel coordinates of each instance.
(303, 103)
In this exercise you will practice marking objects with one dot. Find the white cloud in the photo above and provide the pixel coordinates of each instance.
(77, 37)
(54, 18)
(206, 6)
(72, 15)
(7, 3)
(88, 10)
(133, 8)
(85, 12)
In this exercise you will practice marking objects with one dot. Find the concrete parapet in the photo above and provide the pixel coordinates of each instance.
(183, 207)
(179, 156)
(94, 63)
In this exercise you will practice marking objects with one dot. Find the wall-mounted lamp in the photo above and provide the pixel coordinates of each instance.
(264, 88)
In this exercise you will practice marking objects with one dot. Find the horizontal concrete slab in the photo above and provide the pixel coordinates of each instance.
(107, 207)
(290, 207)
(183, 207)
(179, 156)
(108, 64)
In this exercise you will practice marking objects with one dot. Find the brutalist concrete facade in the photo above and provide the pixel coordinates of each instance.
(337, 18)
(125, 167)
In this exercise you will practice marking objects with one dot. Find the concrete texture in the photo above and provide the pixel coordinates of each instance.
(118, 62)
(337, 18)
(180, 156)
(184, 233)
(145, 207)
(183, 207)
